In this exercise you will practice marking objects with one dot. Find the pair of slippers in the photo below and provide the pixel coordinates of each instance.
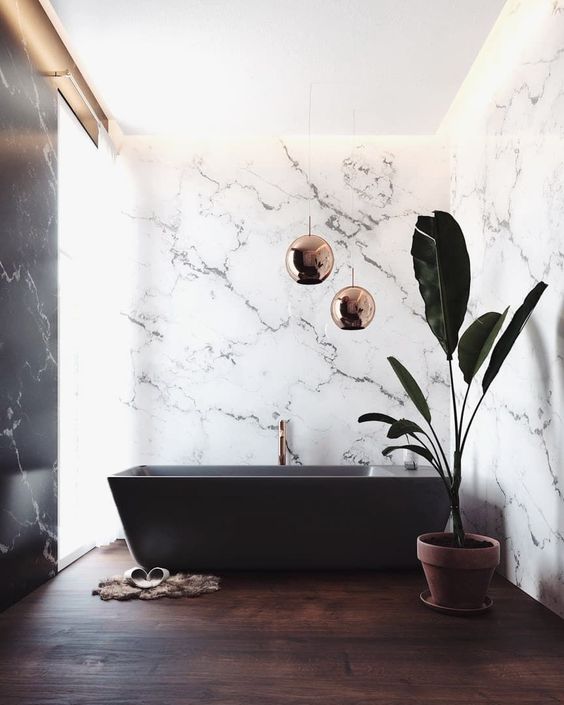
(139, 578)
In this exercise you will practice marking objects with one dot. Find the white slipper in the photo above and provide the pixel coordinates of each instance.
(138, 577)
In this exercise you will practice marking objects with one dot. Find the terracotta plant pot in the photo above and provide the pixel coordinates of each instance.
(458, 578)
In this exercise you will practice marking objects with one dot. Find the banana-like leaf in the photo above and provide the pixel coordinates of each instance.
(412, 388)
(476, 342)
(402, 428)
(420, 450)
(511, 333)
(442, 268)
(376, 417)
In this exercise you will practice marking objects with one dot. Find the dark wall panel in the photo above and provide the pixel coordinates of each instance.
(28, 321)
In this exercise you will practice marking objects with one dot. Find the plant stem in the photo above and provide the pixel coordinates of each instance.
(457, 528)
(419, 440)
(464, 407)
(436, 461)
(435, 451)
(470, 422)
(457, 430)
(447, 466)
(443, 478)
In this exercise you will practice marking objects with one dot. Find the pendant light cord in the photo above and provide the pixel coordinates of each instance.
(309, 157)
(352, 184)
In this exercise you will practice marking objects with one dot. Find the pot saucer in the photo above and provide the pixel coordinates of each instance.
(427, 600)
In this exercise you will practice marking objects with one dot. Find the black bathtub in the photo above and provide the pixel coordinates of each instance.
(277, 518)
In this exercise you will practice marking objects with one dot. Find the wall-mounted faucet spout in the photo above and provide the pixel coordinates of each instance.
(282, 442)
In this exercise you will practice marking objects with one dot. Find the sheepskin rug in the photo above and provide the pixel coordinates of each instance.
(179, 585)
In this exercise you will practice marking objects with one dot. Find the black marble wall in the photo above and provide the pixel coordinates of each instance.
(28, 321)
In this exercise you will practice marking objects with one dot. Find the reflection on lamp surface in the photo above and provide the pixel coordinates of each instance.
(353, 308)
(309, 259)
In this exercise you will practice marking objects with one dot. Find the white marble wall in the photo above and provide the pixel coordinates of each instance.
(223, 343)
(508, 195)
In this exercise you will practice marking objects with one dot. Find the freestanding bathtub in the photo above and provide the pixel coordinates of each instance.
(277, 518)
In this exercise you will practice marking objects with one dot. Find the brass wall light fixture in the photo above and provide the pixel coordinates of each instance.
(309, 259)
(34, 23)
(353, 307)
(92, 122)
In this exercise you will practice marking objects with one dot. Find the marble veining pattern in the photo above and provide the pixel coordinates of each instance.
(223, 343)
(507, 193)
(28, 296)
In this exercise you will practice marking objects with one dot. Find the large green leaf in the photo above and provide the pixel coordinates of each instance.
(412, 388)
(476, 342)
(442, 268)
(376, 417)
(420, 450)
(402, 428)
(511, 333)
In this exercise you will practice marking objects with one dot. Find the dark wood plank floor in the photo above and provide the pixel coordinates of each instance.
(332, 639)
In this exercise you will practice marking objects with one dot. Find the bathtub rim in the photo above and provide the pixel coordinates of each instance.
(271, 472)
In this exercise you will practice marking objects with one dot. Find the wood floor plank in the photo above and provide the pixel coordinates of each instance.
(275, 639)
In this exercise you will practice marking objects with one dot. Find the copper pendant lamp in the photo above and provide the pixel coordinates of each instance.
(309, 259)
(353, 307)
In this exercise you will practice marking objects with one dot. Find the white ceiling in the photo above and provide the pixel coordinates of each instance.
(244, 67)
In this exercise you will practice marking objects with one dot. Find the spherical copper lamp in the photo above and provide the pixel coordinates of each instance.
(309, 259)
(353, 307)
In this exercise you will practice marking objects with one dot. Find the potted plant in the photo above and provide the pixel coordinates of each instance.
(458, 566)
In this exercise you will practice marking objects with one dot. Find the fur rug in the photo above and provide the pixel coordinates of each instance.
(179, 585)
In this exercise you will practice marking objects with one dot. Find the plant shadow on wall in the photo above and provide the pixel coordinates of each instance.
(548, 589)
(458, 566)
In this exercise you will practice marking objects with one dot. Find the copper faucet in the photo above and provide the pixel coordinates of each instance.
(282, 442)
